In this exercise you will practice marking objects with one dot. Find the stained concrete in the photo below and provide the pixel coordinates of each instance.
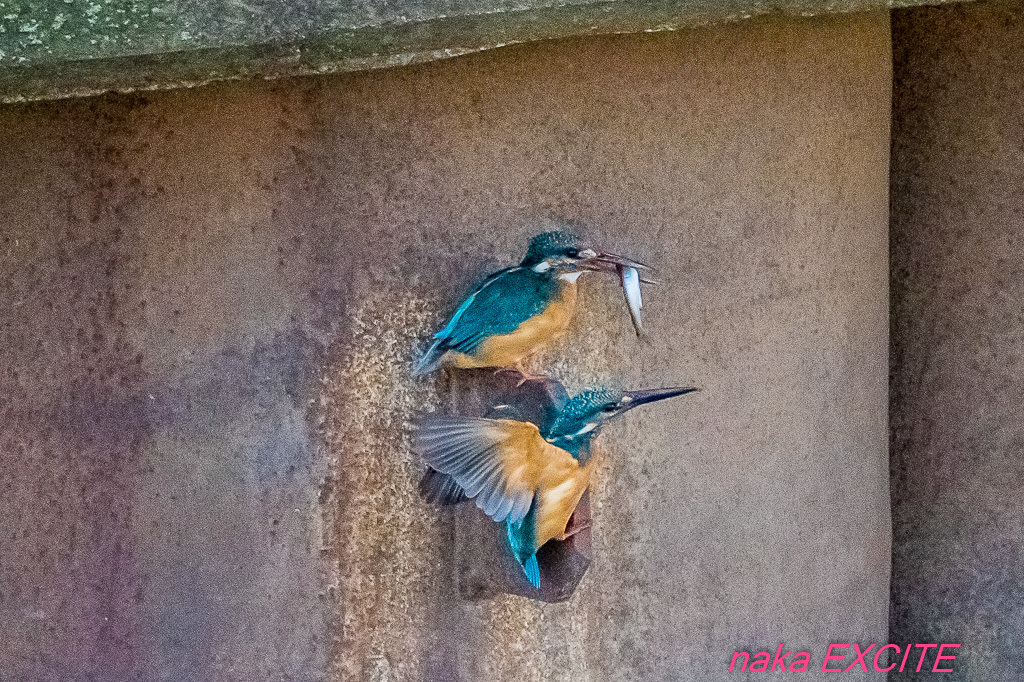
(958, 334)
(74, 48)
(211, 299)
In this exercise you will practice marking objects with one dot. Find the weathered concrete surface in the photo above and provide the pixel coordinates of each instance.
(51, 49)
(211, 299)
(958, 334)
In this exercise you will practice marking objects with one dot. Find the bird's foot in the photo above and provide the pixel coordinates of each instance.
(524, 375)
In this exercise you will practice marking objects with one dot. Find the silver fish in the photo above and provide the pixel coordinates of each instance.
(630, 279)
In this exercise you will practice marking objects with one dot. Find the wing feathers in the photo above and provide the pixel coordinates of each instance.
(430, 360)
(499, 305)
(441, 488)
(496, 461)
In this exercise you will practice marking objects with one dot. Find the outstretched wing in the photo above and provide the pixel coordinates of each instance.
(438, 488)
(533, 400)
(499, 462)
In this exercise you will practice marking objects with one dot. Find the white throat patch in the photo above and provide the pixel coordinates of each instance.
(571, 276)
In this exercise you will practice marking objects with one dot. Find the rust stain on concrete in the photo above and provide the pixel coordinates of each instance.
(328, 248)
(386, 540)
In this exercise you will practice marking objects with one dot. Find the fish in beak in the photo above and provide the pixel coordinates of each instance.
(630, 279)
(628, 272)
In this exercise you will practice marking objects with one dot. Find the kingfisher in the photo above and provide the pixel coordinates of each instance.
(520, 308)
(529, 478)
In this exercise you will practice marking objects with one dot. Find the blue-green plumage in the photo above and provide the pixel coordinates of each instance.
(581, 419)
(521, 307)
(548, 244)
(499, 306)
(573, 430)
(463, 452)
(521, 538)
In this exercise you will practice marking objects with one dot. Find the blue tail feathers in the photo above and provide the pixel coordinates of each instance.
(521, 539)
(532, 571)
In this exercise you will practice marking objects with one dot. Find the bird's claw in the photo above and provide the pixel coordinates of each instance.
(524, 376)
(572, 529)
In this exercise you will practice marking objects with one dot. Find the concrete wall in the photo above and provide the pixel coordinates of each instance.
(211, 297)
(957, 336)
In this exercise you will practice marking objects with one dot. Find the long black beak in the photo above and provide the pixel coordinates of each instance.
(633, 399)
(604, 261)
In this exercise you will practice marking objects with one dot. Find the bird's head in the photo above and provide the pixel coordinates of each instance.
(585, 413)
(562, 252)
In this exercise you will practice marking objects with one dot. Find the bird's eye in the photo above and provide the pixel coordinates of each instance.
(572, 253)
(610, 407)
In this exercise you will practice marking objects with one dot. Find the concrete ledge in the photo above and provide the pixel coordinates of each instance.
(68, 48)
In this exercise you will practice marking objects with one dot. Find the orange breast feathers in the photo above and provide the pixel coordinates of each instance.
(560, 490)
(507, 349)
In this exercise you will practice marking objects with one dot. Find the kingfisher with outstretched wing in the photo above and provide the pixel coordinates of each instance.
(517, 473)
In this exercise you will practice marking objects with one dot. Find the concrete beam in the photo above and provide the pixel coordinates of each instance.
(63, 48)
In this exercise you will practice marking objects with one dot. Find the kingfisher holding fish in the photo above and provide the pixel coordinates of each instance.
(531, 477)
(521, 308)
